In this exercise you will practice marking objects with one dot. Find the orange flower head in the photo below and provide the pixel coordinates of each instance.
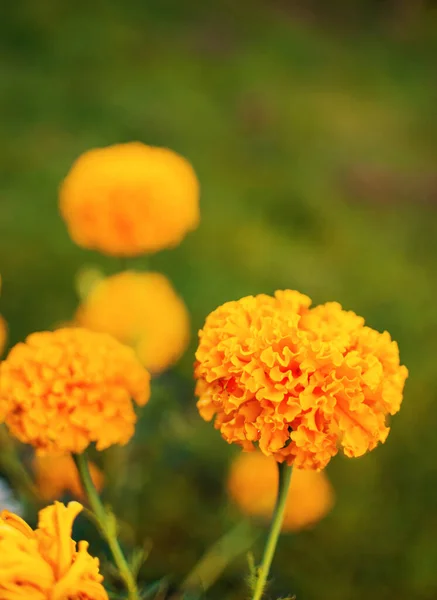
(46, 564)
(301, 382)
(143, 311)
(130, 199)
(63, 389)
(56, 474)
(253, 484)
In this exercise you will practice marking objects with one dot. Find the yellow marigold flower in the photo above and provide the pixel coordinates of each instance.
(46, 564)
(141, 310)
(130, 199)
(253, 484)
(63, 389)
(301, 382)
(56, 474)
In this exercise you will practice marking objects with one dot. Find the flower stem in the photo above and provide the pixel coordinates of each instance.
(285, 472)
(107, 525)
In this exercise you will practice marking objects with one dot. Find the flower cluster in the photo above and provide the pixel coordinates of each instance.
(46, 564)
(141, 310)
(62, 390)
(130, 199)
(301, 382)
(253, 483)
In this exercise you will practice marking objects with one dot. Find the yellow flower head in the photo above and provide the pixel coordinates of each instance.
(143, 311)
(130, 199)
(63, 389)
(56, 474)
(301, 382)
(46, 564)
(253, 484)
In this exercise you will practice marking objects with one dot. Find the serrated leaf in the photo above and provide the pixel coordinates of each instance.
(139, 557)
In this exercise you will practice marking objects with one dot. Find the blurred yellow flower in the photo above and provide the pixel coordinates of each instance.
(63, 389)
(130, 199)
(141, 310)
(3, 329)
(56, 474)
(46, 564)
(3, 334)
(253, 483)
(301, 382)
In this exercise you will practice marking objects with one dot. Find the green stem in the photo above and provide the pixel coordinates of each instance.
(236, 541)
(285, 472)
(107, 525)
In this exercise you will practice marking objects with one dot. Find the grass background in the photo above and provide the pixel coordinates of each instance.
(314, 136)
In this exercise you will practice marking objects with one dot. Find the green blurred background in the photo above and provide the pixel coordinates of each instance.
(313, 131)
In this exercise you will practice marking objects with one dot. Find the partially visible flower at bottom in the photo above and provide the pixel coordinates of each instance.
(46, 564)
(253, 483)
(56, 474)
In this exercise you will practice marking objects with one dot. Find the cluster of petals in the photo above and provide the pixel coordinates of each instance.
(46, 564)
(56, 475)
(62, 390)
(302, 382)
(253, 484)
(130, 199)
(141, 310)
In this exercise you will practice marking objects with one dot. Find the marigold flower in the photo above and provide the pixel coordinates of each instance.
(301, 382)
(56, 474)
(63, 389)
(141, 310)
(130, 199)
(253, 484)
(46, 564)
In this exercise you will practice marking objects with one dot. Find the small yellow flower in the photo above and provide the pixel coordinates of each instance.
(57, 474)
(301, 382)
(46, 564)
(253, 483)
(130, 199)
(63, 389)
(141, 310)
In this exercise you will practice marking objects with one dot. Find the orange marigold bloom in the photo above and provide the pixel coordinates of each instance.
(301, 382)
(56, 474)
(46, 564)
(130, 199)
(63, 389)
(253, 484)
(143, 311)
